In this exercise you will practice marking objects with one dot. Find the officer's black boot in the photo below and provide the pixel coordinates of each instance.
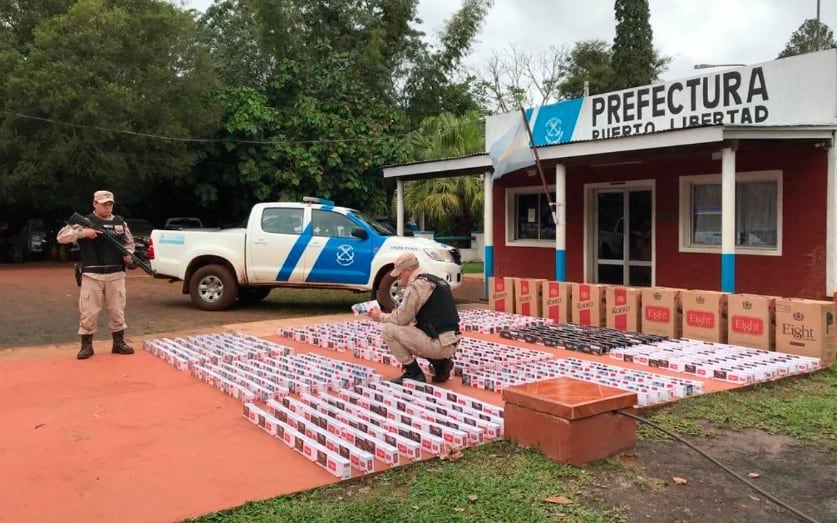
(119, 345)
(441, 370)
(86, 347)
(413, 372)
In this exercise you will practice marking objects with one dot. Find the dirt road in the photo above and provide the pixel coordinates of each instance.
(39, 305)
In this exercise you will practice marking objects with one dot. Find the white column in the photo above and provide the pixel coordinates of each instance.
(728, 219)
(560, 222)
(399, 206)
(488, 230)
(831, 220)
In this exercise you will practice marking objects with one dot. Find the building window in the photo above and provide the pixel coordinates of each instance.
(758, 213)
(530, 219)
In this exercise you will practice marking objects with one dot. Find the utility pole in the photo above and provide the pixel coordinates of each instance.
(819, 29)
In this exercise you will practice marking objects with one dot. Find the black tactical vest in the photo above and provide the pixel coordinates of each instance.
(439, 313)
(99, 256)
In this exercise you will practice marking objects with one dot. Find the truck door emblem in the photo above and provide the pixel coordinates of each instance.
(345, 255)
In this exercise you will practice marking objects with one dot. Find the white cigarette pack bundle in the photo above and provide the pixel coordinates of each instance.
(264, 420)
(385, 441)
(461, 399)
(303, 420)
(490, 427)
(419, 418)
(361, 407)
(491, 322)
(335, 464)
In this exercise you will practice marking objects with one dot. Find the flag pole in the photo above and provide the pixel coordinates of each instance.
(539, 166)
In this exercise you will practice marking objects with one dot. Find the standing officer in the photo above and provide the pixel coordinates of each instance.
(103, 273)
(429, 300)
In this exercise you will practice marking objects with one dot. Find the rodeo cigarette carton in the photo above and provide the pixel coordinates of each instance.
(624, 308)
(556, 301)
(501, 294)
(806, 328)
(527, 296)
(752, 321)
(588, 303)
(705, 315)
(662, 312)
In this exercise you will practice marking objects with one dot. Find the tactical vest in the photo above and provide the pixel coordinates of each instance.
(438, 314)
(99, 256)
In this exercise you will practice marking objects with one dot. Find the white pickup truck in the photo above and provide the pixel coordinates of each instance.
(313, 244)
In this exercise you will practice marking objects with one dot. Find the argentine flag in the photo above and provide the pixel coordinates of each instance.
(513, 150)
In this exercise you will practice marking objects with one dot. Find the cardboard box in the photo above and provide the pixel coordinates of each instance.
(752, 321)
(588, 303)
(705, 315)
(805, 328)
(501, 294)
(623, 308)
(527, 296)
(556, 301)
(661, 312)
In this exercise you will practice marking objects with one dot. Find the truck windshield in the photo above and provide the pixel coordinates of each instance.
(378, 227)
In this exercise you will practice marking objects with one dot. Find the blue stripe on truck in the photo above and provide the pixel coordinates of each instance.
(296, 253)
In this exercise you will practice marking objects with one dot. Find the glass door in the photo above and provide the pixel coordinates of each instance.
(624, 237)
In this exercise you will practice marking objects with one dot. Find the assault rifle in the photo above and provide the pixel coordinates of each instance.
(77, 219)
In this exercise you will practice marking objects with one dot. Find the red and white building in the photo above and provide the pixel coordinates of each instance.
(725, 181)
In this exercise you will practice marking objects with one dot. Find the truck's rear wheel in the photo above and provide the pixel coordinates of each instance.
(388, 293)
(250, 295)
(213, 288)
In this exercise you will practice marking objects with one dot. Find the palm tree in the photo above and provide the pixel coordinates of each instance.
(451, 205)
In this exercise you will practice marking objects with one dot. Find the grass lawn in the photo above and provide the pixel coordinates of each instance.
(501, 482)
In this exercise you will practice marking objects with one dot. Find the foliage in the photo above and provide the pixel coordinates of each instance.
(433, 86)
(451, 205)
(104, 69)
(588, 61)
(231, 35)
(495, 482)
(634, 60)
(811, 36)
(325, 136)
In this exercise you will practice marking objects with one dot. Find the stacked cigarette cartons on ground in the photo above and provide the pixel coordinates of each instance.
(491, 322)
(623, 308)
(806, 328)
(588, 303)
(752, 321)
(473, 354)
(250, 369)
(582, 338)
(340, 337)
(741, 365)
(705, 315)
(556, 299)
(650, 388)
(661, 312)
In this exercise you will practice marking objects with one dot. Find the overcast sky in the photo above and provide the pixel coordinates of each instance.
(690, 31)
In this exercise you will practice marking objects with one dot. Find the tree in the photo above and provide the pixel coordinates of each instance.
(588, 61)
(513, 77)
(452, 205)
(811, 36)
(96, 84)
(634, 60)
(432, 84)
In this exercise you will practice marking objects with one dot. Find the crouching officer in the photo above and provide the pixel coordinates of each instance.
(102, 273)
(429, 301)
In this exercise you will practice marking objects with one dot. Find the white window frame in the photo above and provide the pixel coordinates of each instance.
(686, 183)
(511, 216)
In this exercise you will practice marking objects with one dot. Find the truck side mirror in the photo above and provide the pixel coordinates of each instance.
(359, 232)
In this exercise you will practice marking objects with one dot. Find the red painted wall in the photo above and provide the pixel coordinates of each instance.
(800, 271)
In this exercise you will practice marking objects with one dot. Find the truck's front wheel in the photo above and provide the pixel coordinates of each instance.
(213, 288)
(388, 293)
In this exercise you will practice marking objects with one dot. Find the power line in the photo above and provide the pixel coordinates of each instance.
(212, 140)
